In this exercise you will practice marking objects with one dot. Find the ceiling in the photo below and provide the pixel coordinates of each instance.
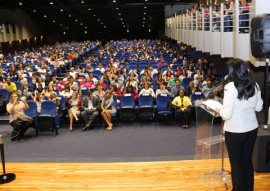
(97, 18)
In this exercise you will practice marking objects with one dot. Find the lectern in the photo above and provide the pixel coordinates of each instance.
(210, 145)
(6, 177)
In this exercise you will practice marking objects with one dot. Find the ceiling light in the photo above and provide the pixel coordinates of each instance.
(142, 25)
(61, 24)
(61, 10)
(81, 24)
(64, 33)
(143, 18)
(82, 1)
(124, 26)
(121, 19)
(123, 22)
(101, 23)
(45, 16)
(145, 7)
(105, 26)
(144, 13)
(119, 14)
(51, 3)
(94, 15)
(76, 20)
(89, 9)
(114, 1)
(127, 30)
(149, 30)
(85, 32)
(98, 19)
(67, 28)
(146, 0)
(69, 15)
(117, 8)
(34, 10)
(53, 21)
(85, 27)
(20, 3)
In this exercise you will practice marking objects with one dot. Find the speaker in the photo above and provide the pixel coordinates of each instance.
(260, 36)
(261, 152)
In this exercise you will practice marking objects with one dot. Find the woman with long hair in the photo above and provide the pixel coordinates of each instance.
(242, 98)
(108, 108)
(74, 105)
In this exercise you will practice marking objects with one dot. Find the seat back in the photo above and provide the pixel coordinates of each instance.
(5, 93)
(196, 96)
(127, 101)
(145, 100)
(162, 102)
(19, 85)
(48, 107)
(32, 110)
(185, 82)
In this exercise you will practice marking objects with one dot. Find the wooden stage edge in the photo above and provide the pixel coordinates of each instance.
(143, 176)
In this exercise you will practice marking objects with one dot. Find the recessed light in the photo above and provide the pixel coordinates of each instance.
(67, 28)
(145, 7)
(61, 24)
(105, 27)
(85, 32)
(149, 30)
(45, 16)
(127, 30)
(61, 10)
(146, 0)
(34, 10)
(82, 1)
(51, 3)
(144, 13)
(76, 20)
(85, 27)
(53, 21)
(142, 25)
(117, 8)
(64, 33)
(98, 19)
(121, 19)
(81, 24)
(143, 18)
(89, 9)
(114, 1)
(20, 3)
(94, 15)
(119, 14)
(69, 15)
(101, 23)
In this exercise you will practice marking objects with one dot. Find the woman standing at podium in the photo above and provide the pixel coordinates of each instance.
(242, 97)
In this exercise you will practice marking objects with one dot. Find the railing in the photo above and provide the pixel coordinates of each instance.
(224, 31)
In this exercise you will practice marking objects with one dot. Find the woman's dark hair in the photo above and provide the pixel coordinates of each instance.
(239, 74)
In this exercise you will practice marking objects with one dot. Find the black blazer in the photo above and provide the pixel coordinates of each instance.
(95, 100)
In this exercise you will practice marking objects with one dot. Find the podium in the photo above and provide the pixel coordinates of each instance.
(210, 145)
(6, 177)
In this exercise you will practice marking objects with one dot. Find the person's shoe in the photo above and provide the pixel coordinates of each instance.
(85, 128)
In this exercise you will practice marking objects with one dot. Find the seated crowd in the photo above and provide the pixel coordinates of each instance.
(89, 81)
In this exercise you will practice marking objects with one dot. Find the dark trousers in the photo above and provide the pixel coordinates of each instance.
(88, 117)
(21, 129)
(240, 149)
(184, 116)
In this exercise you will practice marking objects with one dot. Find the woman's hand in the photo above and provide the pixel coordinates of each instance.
(217, 110)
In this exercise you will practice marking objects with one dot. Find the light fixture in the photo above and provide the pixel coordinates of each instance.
(127, 30)
(123, 22)
(67, 28)
(142, 25)
(69, 15)
(53, 21)
(149, 30)
(101, 23)
(89, 9)
(94, 15)
(61, 24)
(85, 32)
(45, 16)
(20, 3)
(85, 27)
(121, 19)
(76, 20)
(51, 3)
(64, 33)
(82, 1)
(98, 19)
(144, 13)
(145, 7)
(119, 14)
(124, 26)
(34, 10)
(61, 10)
(81, 24)
(146, 0)
(143, 18)
(114, 1)
(117, 8)
(105, 26)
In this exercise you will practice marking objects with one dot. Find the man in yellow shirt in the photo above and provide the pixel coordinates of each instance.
(10, 86)
(182, 104)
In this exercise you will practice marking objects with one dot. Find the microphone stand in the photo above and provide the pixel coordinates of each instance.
(5, 177)
(266, 101)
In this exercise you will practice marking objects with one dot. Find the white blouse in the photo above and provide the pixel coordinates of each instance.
(239, 115)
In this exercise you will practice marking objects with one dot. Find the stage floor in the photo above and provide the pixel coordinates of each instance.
(143, 176)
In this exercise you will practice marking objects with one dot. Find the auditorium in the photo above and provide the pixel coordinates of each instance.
(133, 95)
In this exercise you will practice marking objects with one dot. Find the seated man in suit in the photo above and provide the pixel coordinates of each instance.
(89, 107)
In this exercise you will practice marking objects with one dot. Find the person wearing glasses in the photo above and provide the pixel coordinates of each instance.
(17, 118)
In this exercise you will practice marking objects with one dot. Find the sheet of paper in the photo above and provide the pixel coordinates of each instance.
(212, 104)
